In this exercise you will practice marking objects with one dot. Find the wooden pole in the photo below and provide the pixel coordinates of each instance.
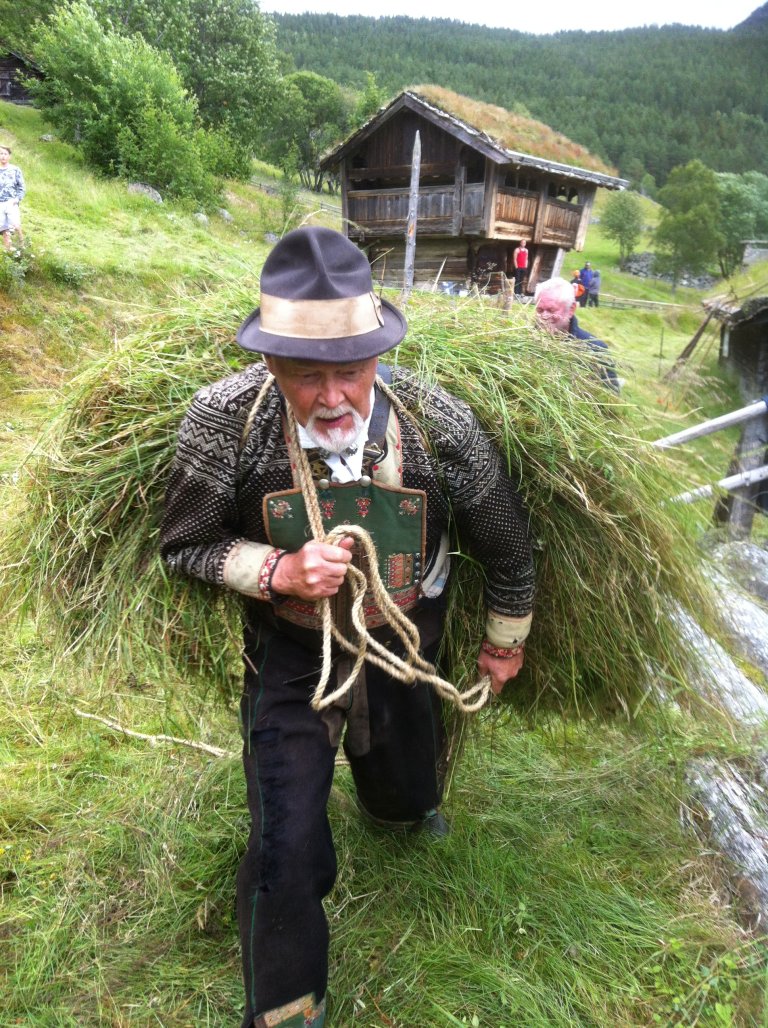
(729, 483)
(752, 410)
(413, 214)
(689, 348)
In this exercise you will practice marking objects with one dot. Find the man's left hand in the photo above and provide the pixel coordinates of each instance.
(500, 669)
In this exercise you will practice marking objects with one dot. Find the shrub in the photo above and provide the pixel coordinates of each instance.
(56, 268)
(14, 267)
(156, 149)
(223, 155)
(123, 103)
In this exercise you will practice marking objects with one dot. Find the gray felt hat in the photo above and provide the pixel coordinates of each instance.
(318, 303)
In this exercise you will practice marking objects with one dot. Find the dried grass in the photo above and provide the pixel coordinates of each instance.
(610, 555)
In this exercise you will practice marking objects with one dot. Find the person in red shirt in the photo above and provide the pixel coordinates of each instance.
(520, 265)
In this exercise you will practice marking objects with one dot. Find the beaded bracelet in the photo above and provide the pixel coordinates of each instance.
(267, 573)
(501, 651)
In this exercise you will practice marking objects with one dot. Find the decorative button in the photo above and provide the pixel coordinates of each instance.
(324, 484)
(365, 480)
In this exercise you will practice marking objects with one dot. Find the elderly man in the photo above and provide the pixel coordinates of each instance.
(556, 314)
(317, 428)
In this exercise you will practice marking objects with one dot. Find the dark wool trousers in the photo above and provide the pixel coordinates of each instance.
(288, 756)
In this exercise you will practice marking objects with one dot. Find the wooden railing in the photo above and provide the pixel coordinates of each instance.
(518, 208)
(385, 211)
(561, 222)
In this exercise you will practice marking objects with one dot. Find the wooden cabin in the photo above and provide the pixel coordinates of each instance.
(477, 199)
(14, 67)
(744, 352)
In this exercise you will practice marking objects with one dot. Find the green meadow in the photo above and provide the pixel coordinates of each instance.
(573, 889)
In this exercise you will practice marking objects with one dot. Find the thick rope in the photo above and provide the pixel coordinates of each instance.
(410, 670)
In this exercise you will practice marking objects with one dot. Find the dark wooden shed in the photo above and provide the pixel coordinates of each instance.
(14, 67)
(744, 351)
(477, 197)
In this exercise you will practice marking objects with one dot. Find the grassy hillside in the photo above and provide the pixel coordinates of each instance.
(570, 892)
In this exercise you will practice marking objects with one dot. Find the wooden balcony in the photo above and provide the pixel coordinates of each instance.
(561, 223)
(515, 213)
(384, 212)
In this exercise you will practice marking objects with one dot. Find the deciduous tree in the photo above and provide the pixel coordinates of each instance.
(310, 115)
(224, 50)
(622, 221)
(743, 215)
(688, 236)
(122, 102)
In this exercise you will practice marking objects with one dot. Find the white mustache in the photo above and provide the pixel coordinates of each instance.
(332, 412)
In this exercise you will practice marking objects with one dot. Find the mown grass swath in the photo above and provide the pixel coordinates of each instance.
(610, 555)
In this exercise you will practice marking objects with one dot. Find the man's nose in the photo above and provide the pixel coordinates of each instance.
(331, 394)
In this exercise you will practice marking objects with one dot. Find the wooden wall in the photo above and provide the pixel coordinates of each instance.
(11, 71)
(386, 154)
(436, 260)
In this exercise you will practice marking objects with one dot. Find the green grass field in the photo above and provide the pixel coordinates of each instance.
(572, 890)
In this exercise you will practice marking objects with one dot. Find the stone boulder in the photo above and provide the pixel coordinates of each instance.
(142, 189)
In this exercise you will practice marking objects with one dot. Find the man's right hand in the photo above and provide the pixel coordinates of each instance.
(313, 572)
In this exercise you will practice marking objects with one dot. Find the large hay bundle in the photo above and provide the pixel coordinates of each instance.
(610, 556)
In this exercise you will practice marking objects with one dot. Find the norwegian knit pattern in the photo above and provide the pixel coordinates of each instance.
(217, 483)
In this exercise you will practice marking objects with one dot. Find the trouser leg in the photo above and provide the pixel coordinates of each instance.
(401, 777)
(290, 863)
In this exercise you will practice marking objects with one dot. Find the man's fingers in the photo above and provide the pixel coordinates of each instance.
(340, 553)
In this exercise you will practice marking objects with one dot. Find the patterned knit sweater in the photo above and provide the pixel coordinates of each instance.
(217, 485)
(11, 183)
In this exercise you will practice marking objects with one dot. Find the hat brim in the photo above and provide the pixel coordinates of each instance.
(341, 350)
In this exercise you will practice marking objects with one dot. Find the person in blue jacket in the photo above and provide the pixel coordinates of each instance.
(586, 275)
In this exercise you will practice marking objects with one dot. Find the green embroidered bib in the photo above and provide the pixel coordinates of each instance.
(395, 517)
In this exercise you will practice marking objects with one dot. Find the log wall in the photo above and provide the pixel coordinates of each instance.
(436, 260)
(384, 212)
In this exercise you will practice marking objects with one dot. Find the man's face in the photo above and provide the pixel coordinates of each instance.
(4, 157)
(554, 313)
(331, 401)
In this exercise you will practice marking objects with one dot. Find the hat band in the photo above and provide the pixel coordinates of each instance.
(321, 319)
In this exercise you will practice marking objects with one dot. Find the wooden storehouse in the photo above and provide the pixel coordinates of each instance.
(477, 198)
(14, 67)
(744, 352)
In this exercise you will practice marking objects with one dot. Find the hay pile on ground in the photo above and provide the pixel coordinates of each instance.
(610, 557)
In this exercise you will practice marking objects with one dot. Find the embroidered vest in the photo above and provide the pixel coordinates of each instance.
(394, 516)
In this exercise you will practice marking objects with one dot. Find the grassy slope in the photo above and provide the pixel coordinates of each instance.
(568, 893)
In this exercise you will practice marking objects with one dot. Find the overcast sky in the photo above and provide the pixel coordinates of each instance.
(554, 16)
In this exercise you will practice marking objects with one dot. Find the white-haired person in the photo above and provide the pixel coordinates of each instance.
(11, 194)
(556, 314)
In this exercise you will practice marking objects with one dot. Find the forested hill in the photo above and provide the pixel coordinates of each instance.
(643, 99)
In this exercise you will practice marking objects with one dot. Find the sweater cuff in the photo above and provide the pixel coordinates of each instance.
(506, 632)
(249, 567)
